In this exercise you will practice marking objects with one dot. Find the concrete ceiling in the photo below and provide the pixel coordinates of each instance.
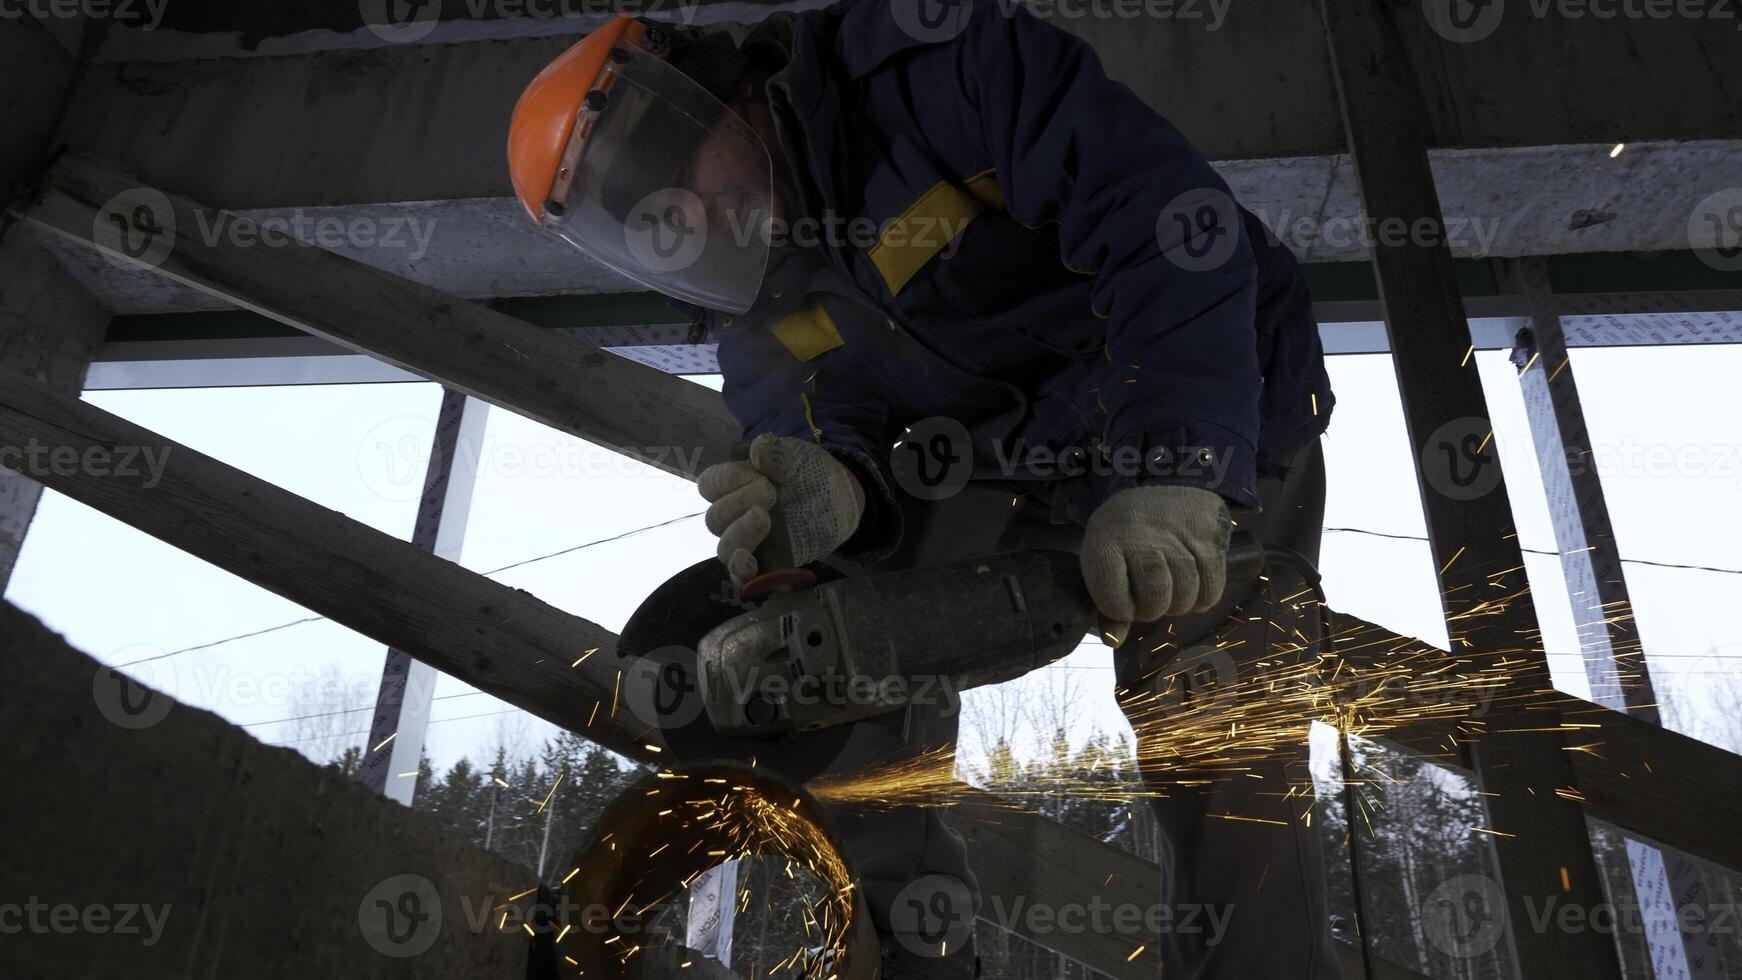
(303, 112)
(159, 30)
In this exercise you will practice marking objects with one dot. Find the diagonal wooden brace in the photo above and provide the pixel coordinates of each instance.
(657, 418)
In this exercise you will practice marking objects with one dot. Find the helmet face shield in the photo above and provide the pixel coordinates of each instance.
(664, 184)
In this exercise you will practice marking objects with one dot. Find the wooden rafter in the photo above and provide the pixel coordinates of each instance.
(642, 412)
(1541, 846)
(499, 639)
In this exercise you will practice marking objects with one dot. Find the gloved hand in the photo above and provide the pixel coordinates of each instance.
(789, 504)
(1155, 551)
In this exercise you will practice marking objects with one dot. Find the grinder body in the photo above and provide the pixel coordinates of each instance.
(858, 647)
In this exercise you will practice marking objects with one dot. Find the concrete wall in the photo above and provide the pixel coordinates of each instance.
(148, 839)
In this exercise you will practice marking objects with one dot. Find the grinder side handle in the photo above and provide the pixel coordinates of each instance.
(1245, 557)
(773, 577)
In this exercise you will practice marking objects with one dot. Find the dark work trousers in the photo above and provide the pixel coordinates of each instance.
(1242, 872)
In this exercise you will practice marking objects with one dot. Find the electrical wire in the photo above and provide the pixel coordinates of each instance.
(590, 544)
(493, 571)
(1538, 551)
(216, 643)
(365, 731)
(345, 711)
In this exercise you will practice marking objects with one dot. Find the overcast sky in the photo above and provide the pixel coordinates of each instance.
(122, 596)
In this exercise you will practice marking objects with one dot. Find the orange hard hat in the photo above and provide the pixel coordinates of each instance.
(545, 116)
(625, 148)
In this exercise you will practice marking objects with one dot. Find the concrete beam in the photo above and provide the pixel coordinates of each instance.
(219, 29)
(1345, 327)
(49, 330)
(411, 136)
(187, 848)
(1248, 78)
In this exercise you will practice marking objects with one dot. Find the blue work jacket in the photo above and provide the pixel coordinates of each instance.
(1034, 254)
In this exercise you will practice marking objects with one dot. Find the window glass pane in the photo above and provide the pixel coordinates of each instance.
(1665, 424)
(1375, 559)
(1423, 903)
(1513, 442)
(1668, 455)
(1388, 577)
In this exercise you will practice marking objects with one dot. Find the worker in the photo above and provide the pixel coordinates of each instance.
(911, 218)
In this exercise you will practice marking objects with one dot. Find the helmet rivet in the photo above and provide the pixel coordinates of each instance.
(595, 100)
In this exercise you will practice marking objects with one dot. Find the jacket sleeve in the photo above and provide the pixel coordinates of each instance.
(768, 389)
(1297, 402)
(1139, 208)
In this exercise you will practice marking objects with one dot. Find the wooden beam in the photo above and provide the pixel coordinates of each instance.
(1663, 787)
(642, 412)
(1651, 782)
(1542, 846)
(1024, 860)
(498, 639)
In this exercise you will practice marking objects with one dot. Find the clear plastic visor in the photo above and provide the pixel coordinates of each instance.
(667, 186)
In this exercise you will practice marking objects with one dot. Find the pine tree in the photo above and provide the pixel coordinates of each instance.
(593, 778)
(455, 801)
(349, 763)
(420, 793)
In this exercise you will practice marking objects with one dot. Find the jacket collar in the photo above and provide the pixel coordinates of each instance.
(822, 48)
(873, 31)
(810, 86)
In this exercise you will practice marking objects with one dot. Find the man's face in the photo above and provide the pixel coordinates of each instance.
(729, 170)
(729, 178)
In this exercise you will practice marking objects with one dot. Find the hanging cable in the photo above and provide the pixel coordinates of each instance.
(1539, 551)
(493, 571)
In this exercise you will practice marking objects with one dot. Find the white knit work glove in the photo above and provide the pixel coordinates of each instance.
(787, 505)
(1155, 551)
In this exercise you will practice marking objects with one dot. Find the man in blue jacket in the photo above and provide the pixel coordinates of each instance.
(944, 226)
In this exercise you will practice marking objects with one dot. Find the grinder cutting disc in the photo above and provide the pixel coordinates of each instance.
(661, 639)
